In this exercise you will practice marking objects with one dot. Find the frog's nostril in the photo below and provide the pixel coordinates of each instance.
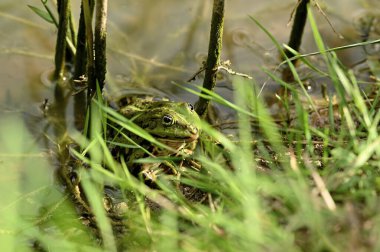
(193, 130)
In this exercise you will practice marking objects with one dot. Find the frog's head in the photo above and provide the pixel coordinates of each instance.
(166, 120)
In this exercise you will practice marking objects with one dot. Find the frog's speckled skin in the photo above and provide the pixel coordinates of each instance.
(171, 123)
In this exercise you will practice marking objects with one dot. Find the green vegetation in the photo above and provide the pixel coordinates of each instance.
(293, 185)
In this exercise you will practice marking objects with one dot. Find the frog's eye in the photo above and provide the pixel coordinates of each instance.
(191, 107)
(167, 120)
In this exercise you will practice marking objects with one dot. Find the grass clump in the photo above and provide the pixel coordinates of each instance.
(307, 183)
(306, 187)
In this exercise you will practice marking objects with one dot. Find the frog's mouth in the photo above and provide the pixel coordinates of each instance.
(187, 139)
(179, 143)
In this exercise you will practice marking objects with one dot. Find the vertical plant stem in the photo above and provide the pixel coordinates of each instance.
(91, 80)
(295, 39)
(214, 51)
(60, 49)
(100, 41)
(70, 45)
(297, 28)
(81, 52)
(80, 103)
(72, 30)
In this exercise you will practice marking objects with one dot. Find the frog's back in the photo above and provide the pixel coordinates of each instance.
(128, 96)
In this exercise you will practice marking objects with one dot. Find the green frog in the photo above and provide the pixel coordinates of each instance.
(173, 124)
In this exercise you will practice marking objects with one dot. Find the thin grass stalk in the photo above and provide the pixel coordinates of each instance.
(88, 7)
(80, 103)
(47, 8)
(100, 42)
(94, 197)
(292, 69)
(73, 30)
(245, 164)
(60, 49)
(295, 38)
(329, 58)
(80, 57)
(70, 38)
(214, 51)
(297, 29)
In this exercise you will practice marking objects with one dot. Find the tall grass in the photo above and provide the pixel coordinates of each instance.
(302, 187)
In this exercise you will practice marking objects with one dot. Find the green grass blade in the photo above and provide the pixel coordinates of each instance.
(42, 13)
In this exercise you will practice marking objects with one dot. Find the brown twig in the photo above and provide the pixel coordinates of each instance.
(214, 51)
(297, 28)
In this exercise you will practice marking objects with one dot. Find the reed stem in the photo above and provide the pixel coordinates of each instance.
(213, 57)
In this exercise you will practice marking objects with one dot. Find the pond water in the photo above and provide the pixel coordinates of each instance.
(154, 45)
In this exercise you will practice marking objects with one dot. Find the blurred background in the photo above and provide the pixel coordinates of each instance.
(155, 44)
